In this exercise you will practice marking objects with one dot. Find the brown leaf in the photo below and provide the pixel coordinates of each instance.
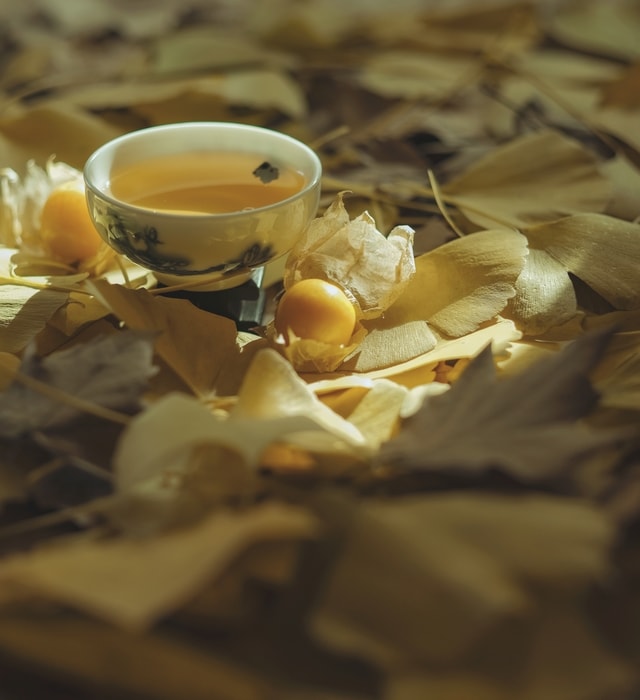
(95, 654)
(564, 659)
(484, 423)
(428, 578)
(110, 371)
(133, 582)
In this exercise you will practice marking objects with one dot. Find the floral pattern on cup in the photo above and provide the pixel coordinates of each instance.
(143, 246)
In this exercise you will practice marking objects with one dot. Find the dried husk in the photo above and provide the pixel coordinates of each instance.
(372, 267)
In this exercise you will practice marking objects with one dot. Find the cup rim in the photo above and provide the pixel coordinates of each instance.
(118, 141)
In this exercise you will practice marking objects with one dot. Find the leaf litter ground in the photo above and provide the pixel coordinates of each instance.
(448, 506)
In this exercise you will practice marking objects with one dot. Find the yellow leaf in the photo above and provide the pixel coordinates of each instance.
(598, 28)
(71, 134)
(463, 283)
(544, 297)
(388, 343)
(205, 46)
(601, 250)
(24, 311)
(273, 390)
(414, 74)
(199, 346)
(534, 178)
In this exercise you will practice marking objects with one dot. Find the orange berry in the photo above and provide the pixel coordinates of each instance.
(317, 310)
(66, 230)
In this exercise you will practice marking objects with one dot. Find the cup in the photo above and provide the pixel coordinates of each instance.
(210, 250)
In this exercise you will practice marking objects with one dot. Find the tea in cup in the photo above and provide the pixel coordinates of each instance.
(206, 203)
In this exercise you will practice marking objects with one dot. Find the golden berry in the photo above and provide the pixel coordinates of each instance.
(317, 310)
(66, 230)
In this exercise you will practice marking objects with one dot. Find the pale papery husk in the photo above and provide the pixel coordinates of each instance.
(309, 355)
(355, 255)
(371, 268)
(21, 203)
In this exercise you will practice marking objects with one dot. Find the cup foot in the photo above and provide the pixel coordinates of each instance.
(210, 283)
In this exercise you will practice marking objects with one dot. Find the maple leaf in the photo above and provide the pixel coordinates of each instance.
(109, 371)
(526, 425)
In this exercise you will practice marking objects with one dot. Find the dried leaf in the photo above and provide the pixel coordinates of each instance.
(463, 283)
(261, 89)
(414, 74)
(133, 582)
(24, 313)
(376, 415)
(274, 404)
(199, 346)
(482, 423)
(625, 179)
(273, 390)
(537, 177)
(565, 658)
(72, 134)
(389, 343)
(95, 655)
(203, 47)
(597, 29)
(544, 296)
(592, 245)
(428, 578)
(110, 371)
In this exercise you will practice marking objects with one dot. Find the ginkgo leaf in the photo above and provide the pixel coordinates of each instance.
(414, 74)
(163, 438)
(24, 313)
(274, 405)
(484, 423)
(110, 371)
(463, 283)
(428, 577)
(197, 345)
(544, 296)
(132, 582)
(71, 133)
(601, 250)
(272, 390)
(537, 177)
(593, 28)
(201, 47)
(388, 343)
(563, 651)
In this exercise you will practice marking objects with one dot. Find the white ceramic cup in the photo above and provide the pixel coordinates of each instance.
(212, 251)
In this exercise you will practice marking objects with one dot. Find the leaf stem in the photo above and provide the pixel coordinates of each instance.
(60, 396)
(441, 205)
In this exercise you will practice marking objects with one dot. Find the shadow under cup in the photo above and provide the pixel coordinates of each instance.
(210, 251)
